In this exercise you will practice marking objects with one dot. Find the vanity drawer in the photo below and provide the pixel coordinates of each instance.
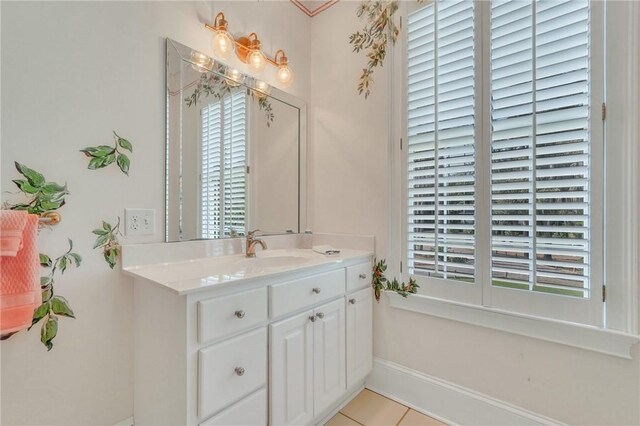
(250, 411)
(293, 295)
(223, 316)
(359, 276)
(231, 370)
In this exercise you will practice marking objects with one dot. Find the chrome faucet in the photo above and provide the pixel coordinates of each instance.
(251, 243)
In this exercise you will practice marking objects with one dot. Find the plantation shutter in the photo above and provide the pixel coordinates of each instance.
(441, 141)
(210, 169)
(223, 179)
(235, 163)
(540, 80)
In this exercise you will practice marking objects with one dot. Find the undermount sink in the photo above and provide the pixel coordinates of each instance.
(275, 259)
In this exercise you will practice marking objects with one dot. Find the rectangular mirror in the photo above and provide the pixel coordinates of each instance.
(235, 151)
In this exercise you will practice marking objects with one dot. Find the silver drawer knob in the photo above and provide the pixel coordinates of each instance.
(363, 276)
(240, 314)
(312, 318)
(239, 371)
(316, 290)
(352, 301)
(320, 315)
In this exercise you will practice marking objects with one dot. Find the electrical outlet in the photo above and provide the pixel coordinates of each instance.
(139, 221)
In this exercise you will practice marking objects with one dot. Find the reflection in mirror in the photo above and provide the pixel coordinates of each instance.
(233, 151)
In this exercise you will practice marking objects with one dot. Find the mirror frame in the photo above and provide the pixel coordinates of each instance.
(184, 54)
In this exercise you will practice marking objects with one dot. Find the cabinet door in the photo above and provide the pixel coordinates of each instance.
(291, 381)
(359, 336)
(329, 355)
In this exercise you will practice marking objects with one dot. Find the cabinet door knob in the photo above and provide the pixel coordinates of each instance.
(363, 276)
(239, 371)
(240, 314)
(316, 290)
(352, 301)
(320, 315)
(312, 318)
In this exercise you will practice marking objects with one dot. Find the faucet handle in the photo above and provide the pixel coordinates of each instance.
(250, 234)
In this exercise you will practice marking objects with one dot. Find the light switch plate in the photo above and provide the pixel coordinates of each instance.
(139, 221)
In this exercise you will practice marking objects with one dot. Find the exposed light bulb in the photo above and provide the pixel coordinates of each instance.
(262, 87)
(234, 77)
(200, 61)
(285, 75)
(223, 44)
(256, 61)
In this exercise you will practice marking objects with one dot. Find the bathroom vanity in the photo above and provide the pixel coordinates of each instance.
(223, 338)
(282, 338)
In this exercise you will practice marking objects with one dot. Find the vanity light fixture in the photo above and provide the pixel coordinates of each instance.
(285, 75)
(234, 77)
(248, 51)
(200, 61)
(261, 87)
(223, 43)
(255, 59)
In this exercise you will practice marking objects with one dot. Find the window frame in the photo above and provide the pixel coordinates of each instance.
(621, 309)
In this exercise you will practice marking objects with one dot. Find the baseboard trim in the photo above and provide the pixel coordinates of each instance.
(446, 401)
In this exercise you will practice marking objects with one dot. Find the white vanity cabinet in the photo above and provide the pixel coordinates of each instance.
(359, 335)
(308, 372)
(285, 350)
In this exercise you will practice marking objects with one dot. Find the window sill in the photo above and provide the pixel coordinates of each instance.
(595, 339)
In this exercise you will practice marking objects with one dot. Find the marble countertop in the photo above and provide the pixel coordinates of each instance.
(206, 273)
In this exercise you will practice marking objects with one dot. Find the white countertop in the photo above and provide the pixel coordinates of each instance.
(200, 274)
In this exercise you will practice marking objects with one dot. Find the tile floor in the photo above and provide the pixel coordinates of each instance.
(371, 409)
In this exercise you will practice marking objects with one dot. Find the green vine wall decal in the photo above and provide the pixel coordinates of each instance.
(214, 84)
(264, 105)
(103, 155)
(380, 283)
(374, 38)
(53, 305)
(108, 241)
(42, 196)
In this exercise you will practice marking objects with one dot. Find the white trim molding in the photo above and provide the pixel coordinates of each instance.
(581, 336)
(446, 401)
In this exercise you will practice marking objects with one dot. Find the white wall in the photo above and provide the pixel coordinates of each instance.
(95, 67)
(348, 151)
(349, 194)
(273, 181)
(71, 73)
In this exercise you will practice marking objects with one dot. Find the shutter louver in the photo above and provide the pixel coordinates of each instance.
(540, 145)
(210, 178)
(234, 164)
(223, 180)
(441, 141)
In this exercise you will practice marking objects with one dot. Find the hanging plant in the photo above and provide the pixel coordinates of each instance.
(53, 305)
(104, 155)
(108, 241)
(380, 283)
(42, 196)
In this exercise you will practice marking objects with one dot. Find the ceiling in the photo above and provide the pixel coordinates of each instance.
(313, 7)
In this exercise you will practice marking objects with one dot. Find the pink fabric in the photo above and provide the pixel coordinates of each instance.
(19, 280)
(11, 226)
